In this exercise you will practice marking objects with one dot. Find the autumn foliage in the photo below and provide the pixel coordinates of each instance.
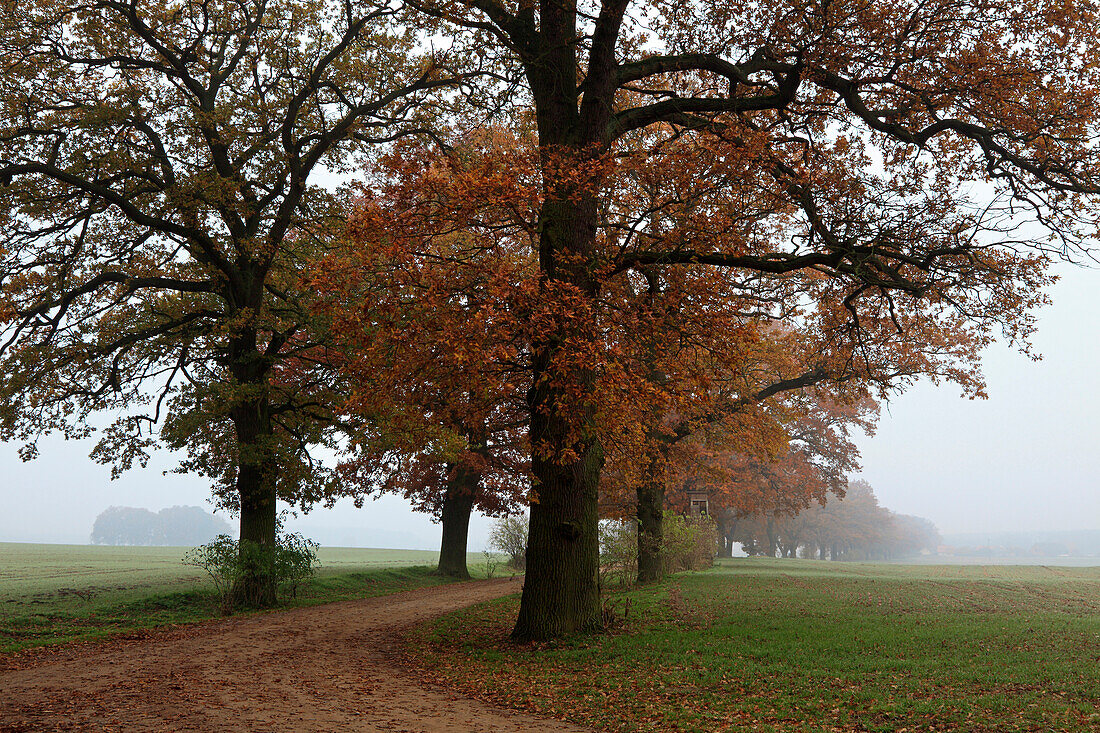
(595, 251)
(820, 157)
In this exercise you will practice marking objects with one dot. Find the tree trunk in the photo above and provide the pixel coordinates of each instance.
(458, 504)
(651, 503)
(561, 592)
(731, 531)
(256, 476)
(255, 586)
(651, 487)
(725, 531)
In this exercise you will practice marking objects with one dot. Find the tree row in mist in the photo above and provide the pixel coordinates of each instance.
(854, 527)
(566, 258)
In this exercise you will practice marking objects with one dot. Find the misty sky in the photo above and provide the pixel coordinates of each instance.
(1026, 458)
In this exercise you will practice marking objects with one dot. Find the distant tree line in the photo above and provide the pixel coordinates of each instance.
(854, 527)
(174, 526)
(1028, 543)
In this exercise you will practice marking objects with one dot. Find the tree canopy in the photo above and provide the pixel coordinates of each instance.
(625, 229)
(162, 192)
(905, 165)
(849, 527)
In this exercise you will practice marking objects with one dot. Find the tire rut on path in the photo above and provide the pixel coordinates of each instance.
(326, 668)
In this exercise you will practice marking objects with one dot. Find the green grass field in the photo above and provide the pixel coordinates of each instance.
(56, 593)
(788, 645)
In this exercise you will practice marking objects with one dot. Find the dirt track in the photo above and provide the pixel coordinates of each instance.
(327, 668)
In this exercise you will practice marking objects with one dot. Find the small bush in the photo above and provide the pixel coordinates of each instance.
(220, 558)
(509, 535)
(295, 562)
(618, 551)
(689, 543)
(292, 561)
(492, 562)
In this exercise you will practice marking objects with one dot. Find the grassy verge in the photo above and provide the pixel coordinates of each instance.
(51, 594)
(802, 646)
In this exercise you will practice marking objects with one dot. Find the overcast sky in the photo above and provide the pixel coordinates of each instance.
(1026, 458)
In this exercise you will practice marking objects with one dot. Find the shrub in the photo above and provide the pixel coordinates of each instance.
(292, 561)
(509, 535)
(220, 558)
(689, 543)
(492, 562)
(295, 562)
(618, 551)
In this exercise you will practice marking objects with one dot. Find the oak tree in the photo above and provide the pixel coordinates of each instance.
(887, 153)
(422, 295)
(167, 168)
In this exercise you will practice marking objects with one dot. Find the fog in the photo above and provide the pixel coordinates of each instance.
(1025, 459)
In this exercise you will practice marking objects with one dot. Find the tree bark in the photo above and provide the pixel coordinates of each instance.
(256, 475)
(729, 530)
(770, 530)
(561, 590)
(255, 587)
(651, 489)
(651, 503)
(458, 505)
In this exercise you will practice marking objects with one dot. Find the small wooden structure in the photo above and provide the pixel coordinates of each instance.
(699, 503)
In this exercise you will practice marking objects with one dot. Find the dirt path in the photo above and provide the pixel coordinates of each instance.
(327, 668)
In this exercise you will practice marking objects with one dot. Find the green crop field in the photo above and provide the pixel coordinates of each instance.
(55, 593)
(790, 645)
(47, 575)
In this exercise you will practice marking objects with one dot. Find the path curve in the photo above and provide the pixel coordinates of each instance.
(326, 668)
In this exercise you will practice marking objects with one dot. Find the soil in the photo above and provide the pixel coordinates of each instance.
(327, 668)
